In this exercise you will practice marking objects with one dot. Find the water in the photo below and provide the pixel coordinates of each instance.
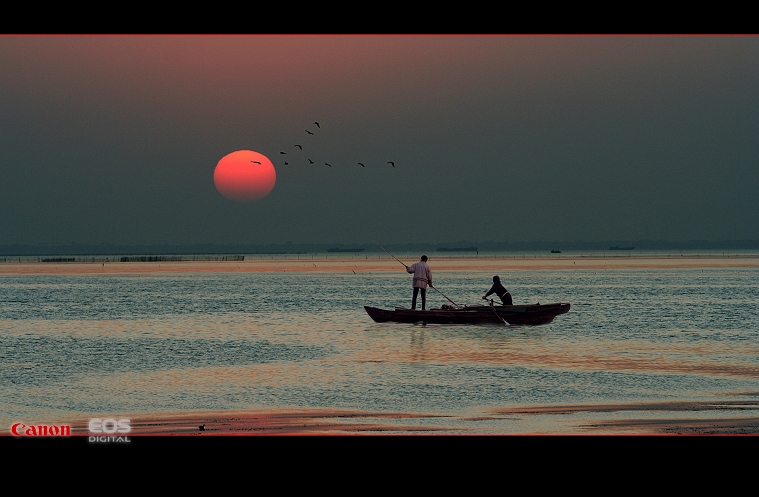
(82, 346)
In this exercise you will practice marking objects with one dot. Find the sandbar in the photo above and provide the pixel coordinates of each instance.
(379, 264)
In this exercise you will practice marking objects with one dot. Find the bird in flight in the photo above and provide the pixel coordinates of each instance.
(310, 161)
(284, 153)
(300, 147)
(286, 163)
(309, 132)
(391, 163)
(361, 165)
(317, 124)
(327, 164)
(255, 161)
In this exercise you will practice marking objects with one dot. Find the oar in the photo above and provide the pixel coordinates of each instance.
(496, 313)
(394, 257)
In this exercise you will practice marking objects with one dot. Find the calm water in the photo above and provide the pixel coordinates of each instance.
(75, 347)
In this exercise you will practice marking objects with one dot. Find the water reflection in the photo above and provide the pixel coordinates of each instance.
(418, 352)
(155, 343)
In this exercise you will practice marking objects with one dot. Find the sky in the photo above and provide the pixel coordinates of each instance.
(507, 138)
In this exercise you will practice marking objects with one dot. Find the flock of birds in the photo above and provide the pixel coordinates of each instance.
(310, 161)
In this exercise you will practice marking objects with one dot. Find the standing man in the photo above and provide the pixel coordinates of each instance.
(422, 278)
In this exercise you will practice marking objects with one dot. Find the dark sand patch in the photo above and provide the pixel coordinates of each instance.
(311, 422)
(340, 422)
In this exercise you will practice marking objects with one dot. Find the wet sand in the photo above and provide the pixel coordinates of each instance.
(377, 264)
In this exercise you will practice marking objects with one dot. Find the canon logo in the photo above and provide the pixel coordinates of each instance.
(22, 430)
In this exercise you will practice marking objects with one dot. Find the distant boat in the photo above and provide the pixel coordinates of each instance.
(617, 247)
(335, 249)
(555, 251)
(459, 249)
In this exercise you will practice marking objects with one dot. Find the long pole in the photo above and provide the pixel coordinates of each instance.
(404, 264)
(391, 255)
(441, 293)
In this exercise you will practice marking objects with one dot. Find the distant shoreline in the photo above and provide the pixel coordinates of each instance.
(105, 249)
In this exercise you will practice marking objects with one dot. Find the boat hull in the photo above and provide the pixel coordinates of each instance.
(532, 314)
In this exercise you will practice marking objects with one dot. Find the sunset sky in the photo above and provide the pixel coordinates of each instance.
(114, 139)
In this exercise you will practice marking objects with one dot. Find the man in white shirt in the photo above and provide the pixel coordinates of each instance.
(422, 278)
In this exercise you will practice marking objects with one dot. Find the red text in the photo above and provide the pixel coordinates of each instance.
(20, 430)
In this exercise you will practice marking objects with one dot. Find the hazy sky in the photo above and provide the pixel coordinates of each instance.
(507, 138)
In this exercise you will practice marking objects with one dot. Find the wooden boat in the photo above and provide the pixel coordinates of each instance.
(531, 314)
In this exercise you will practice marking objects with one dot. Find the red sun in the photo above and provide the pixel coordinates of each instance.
(244, 176)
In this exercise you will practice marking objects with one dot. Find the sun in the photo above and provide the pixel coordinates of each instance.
(244, 176)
